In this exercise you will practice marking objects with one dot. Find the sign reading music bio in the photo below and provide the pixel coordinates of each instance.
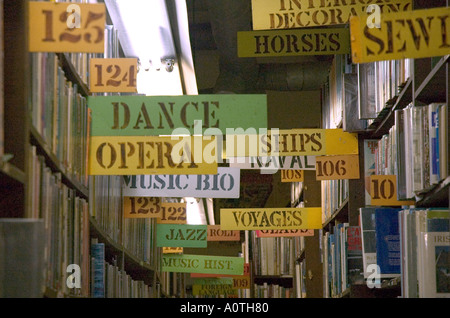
(284, 233)
(203, 264)
(136, 155)
(113, 75)
(224, 184)
(167, 115)
(271, 219)
(172, 213)
(412, 34)
(293, 142)
(383, 191)
(66, 27)
(274, 162)
(287, 14)
(337, 167)
(293, 42)
(216, 234)
(181, 235)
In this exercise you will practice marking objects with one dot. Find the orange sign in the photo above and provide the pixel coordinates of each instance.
(284, 233)
(141, 207)
(337, 167)
(173, 213)
(383, 191)
(216, 234)
(292, 176)
(114, 75)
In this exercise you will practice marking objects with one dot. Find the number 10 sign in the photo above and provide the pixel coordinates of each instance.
(66, 27)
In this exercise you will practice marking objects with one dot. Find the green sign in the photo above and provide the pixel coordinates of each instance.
(205, 264)
(167, 115)
(181, 235)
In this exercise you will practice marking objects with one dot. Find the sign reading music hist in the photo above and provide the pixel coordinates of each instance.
(206, 264)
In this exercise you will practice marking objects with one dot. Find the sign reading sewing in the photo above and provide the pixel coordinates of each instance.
(383, 191)
(224, 184)
(136, 155)
(293, 42)
(292, 175)
(337, 167)
(293, 142)
(284, 233)
(271, 219)
(203, 264)
(412, 34)
(274, 162)
(216, 234)
(181, 235)
(66, 27)
(113, 75)
(176, 115)
(287, 14)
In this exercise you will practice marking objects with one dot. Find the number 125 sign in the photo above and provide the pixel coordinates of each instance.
(66, 27)
(114, 75)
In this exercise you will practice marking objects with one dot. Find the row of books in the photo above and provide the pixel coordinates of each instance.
(139, 238)
(275, 254)
(59, 114)
(272, 291)
(66, 224)
(109, 281)
(300, 279)
(341, 259)
(334, 193)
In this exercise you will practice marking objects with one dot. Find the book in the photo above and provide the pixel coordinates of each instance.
(387, 241)
(442, 131)
(98, 270)
(434, 143)
(354, 256)
(368, 237)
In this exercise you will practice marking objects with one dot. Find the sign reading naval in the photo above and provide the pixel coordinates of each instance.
(274, 162)
(288, 14)
(413, 34)
(161, 115)
(293, 42)
(224, 184)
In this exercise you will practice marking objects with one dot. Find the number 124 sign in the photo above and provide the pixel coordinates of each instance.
(114, 75)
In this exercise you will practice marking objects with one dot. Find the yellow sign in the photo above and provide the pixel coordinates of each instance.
(241, 282)
(293, 42)
(292, 176)
(141, 207)
(147, 155)
(172, 213)
(66, 27)
(288, 14)
(337, 167)
(114, 75)
(383, 191)
(271, 218)
(172, 250)
(413, 34)
(293, 142)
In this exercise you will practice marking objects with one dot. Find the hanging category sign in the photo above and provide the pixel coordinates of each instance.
(181, 235)
(288, 14)
(271, 219)
(293, 42)
(141, 207)
(337, 167)
(284, 233)
(202, 264)
(176, 115)
(412, 34)
(203, 275)
(293, 142)
(66, 27)
(216, 234)
(224, 184)
(172, 250)
(213, 287)
(136, 155)
(292, 175)
(274, 162)
(383, 191)
(172, 213)
(112, 75)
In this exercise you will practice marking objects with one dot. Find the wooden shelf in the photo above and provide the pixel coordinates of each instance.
(285, 281)
(340, 215)
(12, 171)
(438, 196)
(433, 88)
(71, 73)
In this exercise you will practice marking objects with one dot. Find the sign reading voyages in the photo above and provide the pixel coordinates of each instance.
(66, 27)
(174, 115)
(206, 264)
(271, 219)
(288, 14)
(412, 34)
(293, 42)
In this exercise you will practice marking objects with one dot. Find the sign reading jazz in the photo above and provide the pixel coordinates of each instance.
(66, 27)
(167, 115)
(287, 14)
(293, 42)
(181, 235)
(114, 75)
(203, 264)
(136, 155)
(271, 219)
(224, 184)
(412, 34)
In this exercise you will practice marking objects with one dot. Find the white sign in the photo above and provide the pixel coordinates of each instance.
(224, 184)
(271, 163)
